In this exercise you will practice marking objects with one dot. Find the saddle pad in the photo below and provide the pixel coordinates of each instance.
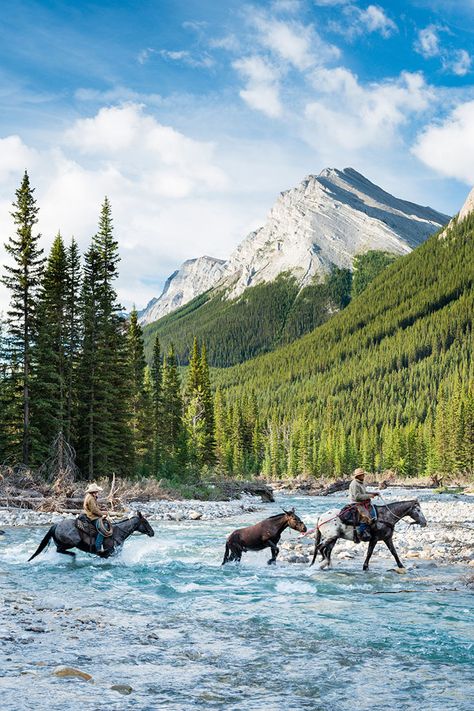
(86, 526)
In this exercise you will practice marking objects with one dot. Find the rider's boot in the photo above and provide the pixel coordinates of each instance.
(356, 537)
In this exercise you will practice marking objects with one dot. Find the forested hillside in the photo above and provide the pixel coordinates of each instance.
(264, 316)
(385, 383)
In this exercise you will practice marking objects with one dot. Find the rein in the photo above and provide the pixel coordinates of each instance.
(397, 518)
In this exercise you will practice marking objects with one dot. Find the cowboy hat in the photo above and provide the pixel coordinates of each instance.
(93, 489)
(358, 472)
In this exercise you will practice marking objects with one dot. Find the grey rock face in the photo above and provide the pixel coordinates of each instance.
(326, 221)
(194, 277)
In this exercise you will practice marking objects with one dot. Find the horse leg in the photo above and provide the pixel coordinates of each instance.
(275, 551)
(65, 552)
(226, 554)
(330, 546)
(389, 543)
(370, 550)
(326, 550)
(317, 542)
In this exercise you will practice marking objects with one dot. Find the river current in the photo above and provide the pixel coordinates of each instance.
(185, 633)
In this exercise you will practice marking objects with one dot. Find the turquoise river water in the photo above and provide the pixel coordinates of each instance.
(185, 633)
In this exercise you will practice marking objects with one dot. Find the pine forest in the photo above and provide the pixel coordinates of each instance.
(372, 368)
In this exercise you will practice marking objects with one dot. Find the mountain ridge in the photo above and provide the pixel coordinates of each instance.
(324, 221)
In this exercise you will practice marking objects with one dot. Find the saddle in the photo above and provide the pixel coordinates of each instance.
(349, 514)
(84, 525)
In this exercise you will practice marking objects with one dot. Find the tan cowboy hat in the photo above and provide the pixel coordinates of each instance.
(358, 473)
(93, 489)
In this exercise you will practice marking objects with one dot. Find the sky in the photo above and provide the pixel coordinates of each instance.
(191, 116)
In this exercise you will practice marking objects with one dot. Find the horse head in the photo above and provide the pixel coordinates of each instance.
(417, 514)
(294, 521)
(144, 526)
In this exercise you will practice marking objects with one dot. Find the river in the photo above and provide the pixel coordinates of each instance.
(185, 633)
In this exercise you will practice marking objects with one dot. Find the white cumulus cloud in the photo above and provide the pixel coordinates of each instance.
(357, 21)
(448, 147)
(298, 44)
(262, 90)
(352, 115)
(163, 186)
(428, 42)
(374, 19)
(459, 62)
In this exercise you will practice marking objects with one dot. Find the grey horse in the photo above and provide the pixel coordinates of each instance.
(330, 528)
(66, 535)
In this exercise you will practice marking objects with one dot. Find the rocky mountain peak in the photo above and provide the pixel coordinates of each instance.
(468, 206)
(194, 277)
(323, 222)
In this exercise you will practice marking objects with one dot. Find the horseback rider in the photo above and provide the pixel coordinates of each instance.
(93, 512)
(361, 499)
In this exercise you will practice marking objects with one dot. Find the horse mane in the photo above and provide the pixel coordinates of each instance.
(277, 515)
(401, 501)
(122, 520)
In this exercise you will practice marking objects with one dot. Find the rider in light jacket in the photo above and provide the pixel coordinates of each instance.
(361, 497)
(93, 511)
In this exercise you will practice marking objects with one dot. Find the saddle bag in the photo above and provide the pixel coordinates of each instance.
(349, 515)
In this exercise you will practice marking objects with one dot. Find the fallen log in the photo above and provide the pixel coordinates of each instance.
(340, 485)
(20, 502)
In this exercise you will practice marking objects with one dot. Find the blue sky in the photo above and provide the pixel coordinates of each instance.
(192, 116)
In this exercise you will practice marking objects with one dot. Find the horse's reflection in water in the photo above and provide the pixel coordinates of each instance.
(265, 534)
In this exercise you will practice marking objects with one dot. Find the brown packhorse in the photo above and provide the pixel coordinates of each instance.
(265, 534)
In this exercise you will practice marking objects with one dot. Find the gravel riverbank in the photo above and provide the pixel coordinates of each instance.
(162, 510)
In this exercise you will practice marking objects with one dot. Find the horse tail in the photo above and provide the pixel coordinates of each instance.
(226, 554)
(44, 543)
(317, 541)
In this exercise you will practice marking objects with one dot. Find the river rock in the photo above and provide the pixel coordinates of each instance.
(194, 515)
(124, 689)
(64, 672)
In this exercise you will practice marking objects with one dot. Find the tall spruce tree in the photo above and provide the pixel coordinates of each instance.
(140, 397)
(106, 441)
(156, 374)
(208, 407)
(73, 328)
(22, 280)
(90, 385)
(49, 407)
(173, 438)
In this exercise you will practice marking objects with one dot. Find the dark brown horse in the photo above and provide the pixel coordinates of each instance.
(265, 534)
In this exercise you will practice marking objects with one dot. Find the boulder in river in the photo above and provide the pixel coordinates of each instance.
(124, 689)
(64, 672)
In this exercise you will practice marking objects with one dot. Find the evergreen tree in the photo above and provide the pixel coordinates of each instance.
(73, 329)
(194, 373)
(91, 394)
(156, 375)
(208, 409)
(50, 386)
(137, 370)
(106, 441)
(22, 280)
(172, 421)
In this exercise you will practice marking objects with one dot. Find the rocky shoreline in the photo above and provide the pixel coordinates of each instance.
(161, 510)
(448, 538)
